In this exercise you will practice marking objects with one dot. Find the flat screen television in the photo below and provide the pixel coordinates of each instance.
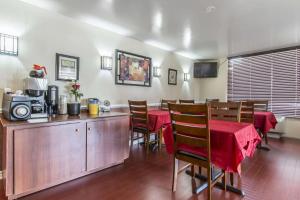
(205, 69)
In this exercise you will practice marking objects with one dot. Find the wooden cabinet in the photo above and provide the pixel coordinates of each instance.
(38, 156)
(107, 142)
(45, 155)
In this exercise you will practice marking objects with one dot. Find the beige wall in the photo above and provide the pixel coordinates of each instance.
(43, 33)
(217, 88)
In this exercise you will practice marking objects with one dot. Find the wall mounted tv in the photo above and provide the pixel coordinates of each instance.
(205, 69)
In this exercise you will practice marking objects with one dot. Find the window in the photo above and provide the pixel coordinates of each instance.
(273, 75)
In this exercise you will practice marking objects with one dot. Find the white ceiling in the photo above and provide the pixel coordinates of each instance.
(187, 27)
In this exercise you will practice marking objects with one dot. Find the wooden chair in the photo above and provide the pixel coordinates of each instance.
(260, 105)
(164, 104)
(226, 111)
(140, 123)
(191, 101)
(190, 124)
(247, 112)
(212, 100)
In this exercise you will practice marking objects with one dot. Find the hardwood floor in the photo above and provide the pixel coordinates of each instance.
(267, 176)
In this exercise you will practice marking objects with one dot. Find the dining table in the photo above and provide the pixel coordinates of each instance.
(264, 121)
(231, 143)
(157, 119)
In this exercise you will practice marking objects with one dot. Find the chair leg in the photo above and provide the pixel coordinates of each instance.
(193, 179)
(175, 173)
(231, 179)
(224, 180)
(148, 143)
(209, 184)
(266, 138)
(132, 135)
(160, 139)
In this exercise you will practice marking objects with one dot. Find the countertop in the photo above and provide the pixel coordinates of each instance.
(84, 116)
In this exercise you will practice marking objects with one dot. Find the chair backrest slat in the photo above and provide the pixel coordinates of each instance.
(186, 101)
(212, 100)
(191, 141)
(164, 103)
(226, 111)
(139, 115)
(139, 108)
(187, 118)
(261, 105)
(195, 109)
(190, 130)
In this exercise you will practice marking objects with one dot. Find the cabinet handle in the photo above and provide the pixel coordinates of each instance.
(76, 130)
(89, 129)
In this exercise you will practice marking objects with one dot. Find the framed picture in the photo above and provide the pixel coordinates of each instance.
(172, 77)
(132, 69)
(67, 67)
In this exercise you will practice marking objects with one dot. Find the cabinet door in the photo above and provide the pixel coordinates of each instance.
(107, 142)
(48, 155)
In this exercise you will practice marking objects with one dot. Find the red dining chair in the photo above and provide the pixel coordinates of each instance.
(186, 101)
(164, 104)
(140, 124)
(191, 132)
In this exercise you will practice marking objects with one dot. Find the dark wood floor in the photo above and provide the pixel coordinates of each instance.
(267, 176)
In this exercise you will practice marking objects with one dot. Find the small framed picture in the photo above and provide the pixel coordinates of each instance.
(172, 77)
(67, 67)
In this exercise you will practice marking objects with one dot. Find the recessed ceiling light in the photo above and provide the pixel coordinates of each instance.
(210, 9)
(157, 22)
(187, 37)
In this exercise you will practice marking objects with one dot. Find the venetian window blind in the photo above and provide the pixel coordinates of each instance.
(272, 75)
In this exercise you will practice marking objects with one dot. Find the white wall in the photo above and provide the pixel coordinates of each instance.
(43, 33)
(217, 88)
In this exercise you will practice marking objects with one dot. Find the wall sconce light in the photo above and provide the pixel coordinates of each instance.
(9, 44)
(156, 72)
(186, 76)
(106, 62)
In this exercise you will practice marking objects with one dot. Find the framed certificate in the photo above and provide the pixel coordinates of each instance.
(67, 67)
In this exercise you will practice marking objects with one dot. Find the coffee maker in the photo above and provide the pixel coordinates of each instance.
(35, 88)
(52, 99)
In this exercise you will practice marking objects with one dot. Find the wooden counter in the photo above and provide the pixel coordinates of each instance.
(36, 156)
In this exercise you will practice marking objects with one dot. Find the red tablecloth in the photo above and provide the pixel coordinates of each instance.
(158, 118)
(231, 142)
(264, 121)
